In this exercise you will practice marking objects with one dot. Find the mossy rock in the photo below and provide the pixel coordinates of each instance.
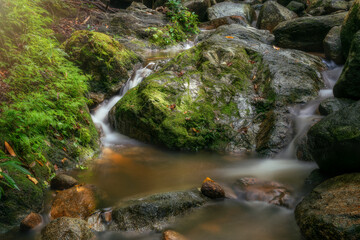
(350, 26)
(106, 61)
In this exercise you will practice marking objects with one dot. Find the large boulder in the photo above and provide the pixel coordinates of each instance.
(226, 9)
(331, 210)
(107, 61)
(325, 7)
(334, 141)
(199, 7)
(271, 14)
(154, 212)
(348, 85)
(67, 228)
(332, 45)
(350, 27)
(331, 105)
(296, 7)
(306, 33)
(221, 95)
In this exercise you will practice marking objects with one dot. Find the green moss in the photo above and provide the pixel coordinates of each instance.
(350, 26)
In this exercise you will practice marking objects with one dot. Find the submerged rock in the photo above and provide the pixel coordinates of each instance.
(226, 9)
(67, 228)
(218, 95)
(63, 181)
(334, 141)
(30, 222)
(348, 85)
(306, 33)
(107, 61)
(331, 105)
(212, 189)
(76, 202)
(332, 46)
(271, 14)
(350, 26)
(154, 212)
(331, 210)
(253, 189)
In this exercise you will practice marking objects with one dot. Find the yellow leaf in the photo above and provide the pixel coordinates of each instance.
(230, 37)
(41, 164)
(9, 149)
(208, 180)
(63, 160)
(276, 48)
(32, 179)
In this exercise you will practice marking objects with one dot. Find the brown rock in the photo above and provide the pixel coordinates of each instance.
(31, 221)
(62, 181)
(172, 235)
(76, 202)
(253, 189)
(211, 189)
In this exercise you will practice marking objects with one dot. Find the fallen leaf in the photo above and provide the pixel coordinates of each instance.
(40, 163)
(32, 179)
(195, 130)
(87, 19)
(63, 160)
(252, 62)
(65, 150)
(207, 179)
(253, 78)
(255, 87)
(47, 143)
(185, 112)
(172, 106)
(187, 118)
(32, 164)
(56, 167)
(276, 48)
(229, 37)
(229, 64)
(9, 149)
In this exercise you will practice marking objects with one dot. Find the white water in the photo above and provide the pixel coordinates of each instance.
(100, 116)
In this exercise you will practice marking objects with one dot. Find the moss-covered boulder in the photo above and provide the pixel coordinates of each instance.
(219, 94)
(348, 85)
(107, 61)
(306, 33)
(271, 14)
(332, 46)
(334, 141)
(331, 210)
(325, 7)
(331, 105)
(350, 26)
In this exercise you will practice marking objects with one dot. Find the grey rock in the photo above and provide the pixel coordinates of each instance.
(67, 228)
(325, 7)
(331, 210)
(226, 9)
(296, 7)
(271, 14)
(63, 181)
(306, 33)
(331, 105)
(332, 45)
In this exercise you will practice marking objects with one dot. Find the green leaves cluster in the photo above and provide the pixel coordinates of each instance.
(183, 24)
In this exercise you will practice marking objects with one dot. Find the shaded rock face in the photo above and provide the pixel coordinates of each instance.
(296, 7)
(76, 202)
(30, 222)
(331, 105)
(199, 7)
(252, 189)
(348, 85)
(213, 24)
(334, 141)
(227, 98)
(271, 14)
(332, 45)
(154, 212)
(331, 210)
(105, 59)
(350, 27)
(325, 7)
(226, 9)
(62, 181)
(306, 33)
(67, 228)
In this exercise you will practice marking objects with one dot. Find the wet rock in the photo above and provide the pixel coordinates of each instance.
(315, 178)
(213, 24)
(348, 85)
(326, 7)
(99, 221)
(263, 79)
(172, 235)
(154, 212)
(296, 7)
(212, 189)
(30, 222)
(199, 7)
(63, 181)
(332, 46)
(331, 210)
(350, 26)
(334, 141)
(107, 61)
(331, 105)
(271, 14)
(67, 228)
(76, 202)
(226, 9)
(253, 189)
(306, 33)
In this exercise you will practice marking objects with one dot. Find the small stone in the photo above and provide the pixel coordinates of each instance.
(211, 189)
(62, 181)
(172, 235)
(31, 221)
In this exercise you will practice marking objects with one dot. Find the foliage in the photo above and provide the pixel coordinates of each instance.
(183, 24)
